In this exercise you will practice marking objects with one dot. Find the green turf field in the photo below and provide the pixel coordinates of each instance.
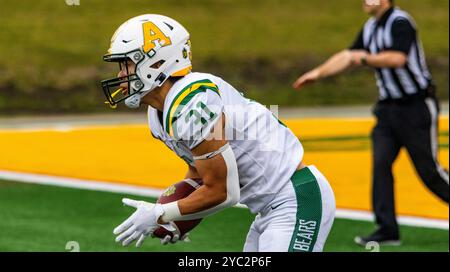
(45, 218)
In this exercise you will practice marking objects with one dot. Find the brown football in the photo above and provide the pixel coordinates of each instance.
(176, 192)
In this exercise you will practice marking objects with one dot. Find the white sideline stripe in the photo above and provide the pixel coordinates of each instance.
(80, 183)
(405, 220)
(149, 192)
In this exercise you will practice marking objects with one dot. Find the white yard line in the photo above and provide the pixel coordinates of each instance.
(150, 192)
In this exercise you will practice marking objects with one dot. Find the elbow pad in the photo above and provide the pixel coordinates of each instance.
(171, 210)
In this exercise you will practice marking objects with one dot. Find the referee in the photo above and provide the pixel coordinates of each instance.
(407, 109)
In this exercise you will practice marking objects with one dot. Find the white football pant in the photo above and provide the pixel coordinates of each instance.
(299, 219)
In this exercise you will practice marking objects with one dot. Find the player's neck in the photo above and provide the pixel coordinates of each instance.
(157, 97)
(379, 13)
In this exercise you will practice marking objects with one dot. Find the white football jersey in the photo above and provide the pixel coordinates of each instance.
(267, 152)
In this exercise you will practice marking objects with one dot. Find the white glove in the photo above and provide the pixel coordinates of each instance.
(167, 239)
(143, 222)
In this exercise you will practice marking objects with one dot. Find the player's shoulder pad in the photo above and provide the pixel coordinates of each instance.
(193, 110)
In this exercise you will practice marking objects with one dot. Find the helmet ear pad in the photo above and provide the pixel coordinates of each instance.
(153, 75)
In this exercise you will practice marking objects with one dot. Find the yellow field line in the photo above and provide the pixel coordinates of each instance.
(128, 154)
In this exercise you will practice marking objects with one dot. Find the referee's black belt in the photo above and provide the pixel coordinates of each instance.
(420, 96)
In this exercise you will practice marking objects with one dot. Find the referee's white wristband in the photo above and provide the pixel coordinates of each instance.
(171, 212)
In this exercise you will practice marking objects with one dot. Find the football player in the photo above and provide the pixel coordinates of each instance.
(240, 150)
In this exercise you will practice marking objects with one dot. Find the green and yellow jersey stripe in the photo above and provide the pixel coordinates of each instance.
(183, 98)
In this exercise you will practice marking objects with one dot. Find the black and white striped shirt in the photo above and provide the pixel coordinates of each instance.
(396, 30)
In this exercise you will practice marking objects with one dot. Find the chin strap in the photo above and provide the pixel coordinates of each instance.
(133, 101)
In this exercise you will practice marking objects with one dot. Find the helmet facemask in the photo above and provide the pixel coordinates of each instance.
(111, 87)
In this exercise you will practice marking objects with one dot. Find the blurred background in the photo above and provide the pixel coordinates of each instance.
(51, 52)
(56, 130)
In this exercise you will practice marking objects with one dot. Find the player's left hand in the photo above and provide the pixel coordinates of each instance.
(143, 222)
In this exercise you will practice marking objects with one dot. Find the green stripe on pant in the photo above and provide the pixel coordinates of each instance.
(309, 211)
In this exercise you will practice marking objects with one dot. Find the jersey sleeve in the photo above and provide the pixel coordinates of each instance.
(403, 34)
(358, 43)
(194, 113)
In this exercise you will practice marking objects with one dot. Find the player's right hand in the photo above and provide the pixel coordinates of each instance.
(141, 223)
(309, 77)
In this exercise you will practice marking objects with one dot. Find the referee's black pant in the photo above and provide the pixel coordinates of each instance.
(414, 125)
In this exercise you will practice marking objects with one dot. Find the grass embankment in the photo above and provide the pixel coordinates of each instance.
(51, 52)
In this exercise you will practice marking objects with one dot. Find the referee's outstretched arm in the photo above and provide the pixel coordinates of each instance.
(347, 58)
(381, 55)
